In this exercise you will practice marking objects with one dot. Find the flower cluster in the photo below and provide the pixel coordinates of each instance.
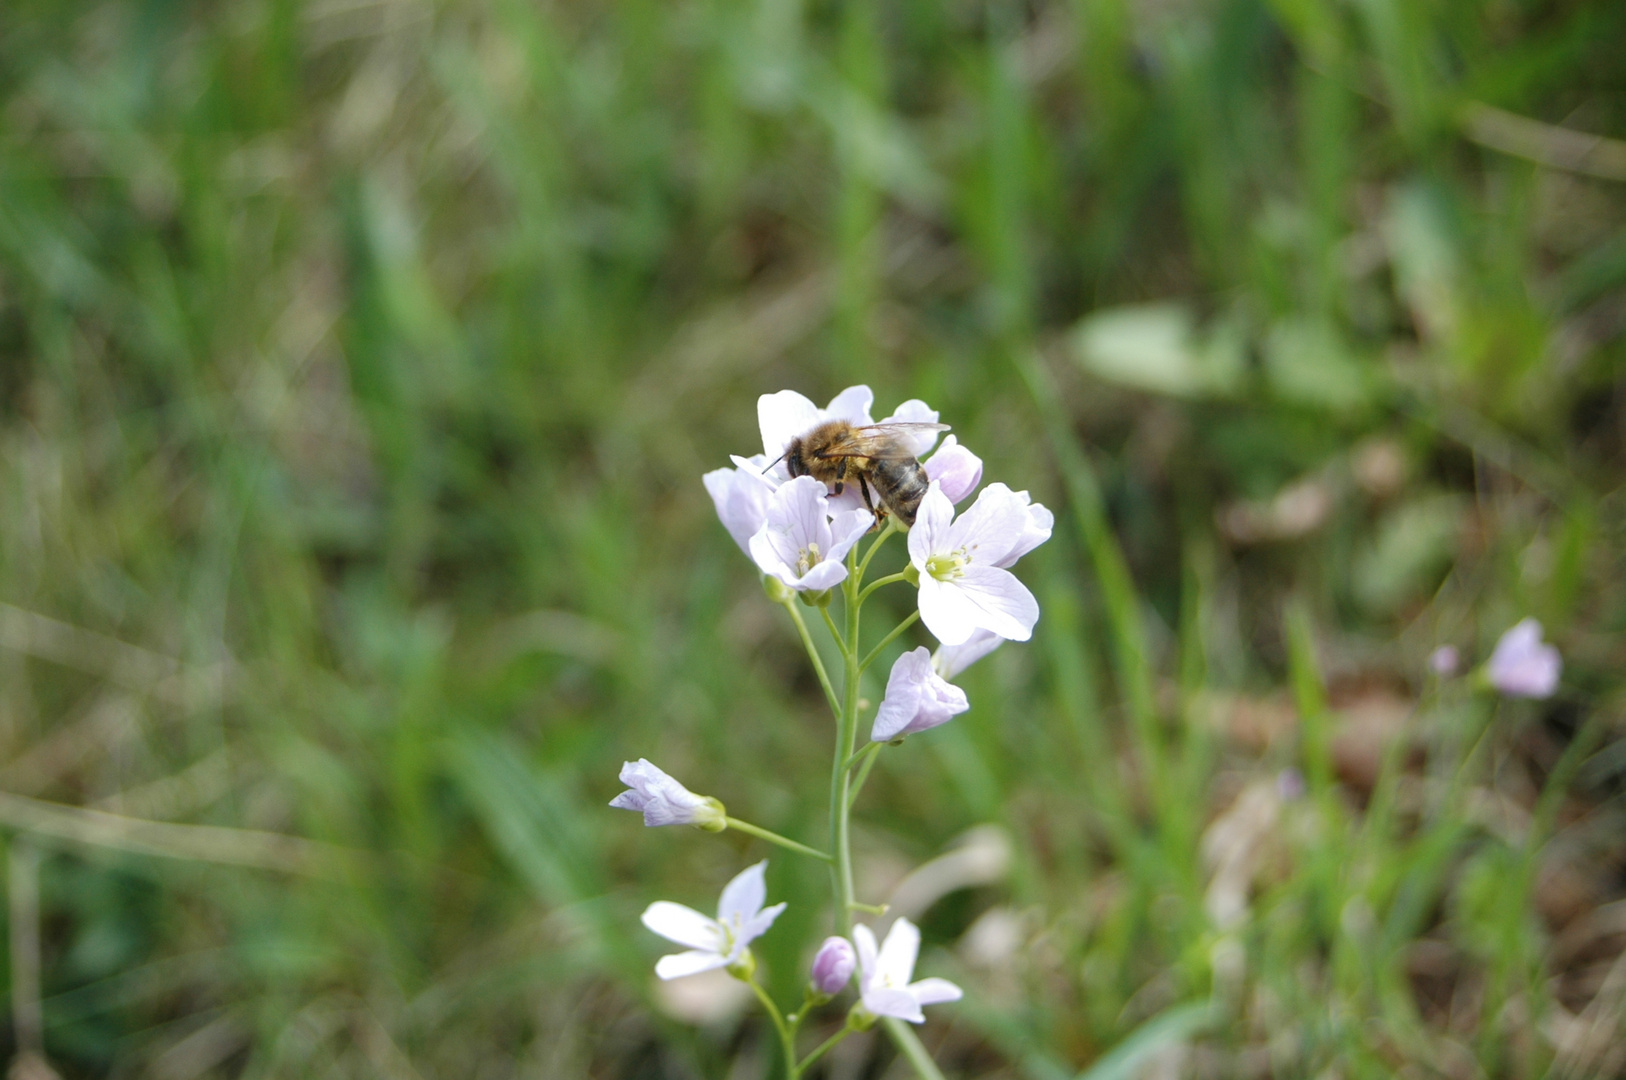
(798, 533)
(802, 536)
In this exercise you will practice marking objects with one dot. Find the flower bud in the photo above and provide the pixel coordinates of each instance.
(833, 966)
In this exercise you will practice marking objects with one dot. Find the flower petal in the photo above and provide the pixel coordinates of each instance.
(1001, 603)
(933, 519)
(826, 575)
(684, 925)
(934, 991)
(783, 416)
(864, 940)
(957, 469)
(947, 613)
(990, 528)
(851, 405)
(950, 660)
(677, 965)
(759, 925)
(846, 529)
(904, 687)
(899, 1003)
(1040, 522)
(744, 896)
(898, 952)
(915, 411)
(741, 500)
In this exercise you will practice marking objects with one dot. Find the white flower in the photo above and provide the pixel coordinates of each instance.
(1521, 666)
(719, 942)
(950, 660)
(883, 980)
(799, 543)
(963, 585)
(957, 469)
(741, 497)
(664, 801)
(917, 699)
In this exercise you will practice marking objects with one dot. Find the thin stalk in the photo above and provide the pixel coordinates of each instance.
(914, 617)
(890, 579)
(830, 624)
(775, 838)
(813, 655)
(909, 1045)
(847, 736)
(786, 1040)
(891, 527)
(858, 757)
(820, 1050)
(863, 774)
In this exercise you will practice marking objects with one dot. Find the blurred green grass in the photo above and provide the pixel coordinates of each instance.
(359, 364)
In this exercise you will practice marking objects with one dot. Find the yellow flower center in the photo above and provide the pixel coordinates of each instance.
(946, 566)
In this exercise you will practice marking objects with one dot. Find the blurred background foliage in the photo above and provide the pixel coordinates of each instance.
(360, 360)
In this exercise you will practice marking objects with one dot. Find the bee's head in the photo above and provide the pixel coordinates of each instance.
(793, 459)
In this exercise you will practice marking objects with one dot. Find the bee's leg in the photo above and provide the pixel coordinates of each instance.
(863, 489)
(841, 476)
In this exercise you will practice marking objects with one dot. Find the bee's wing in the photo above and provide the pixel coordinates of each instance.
(880, 441)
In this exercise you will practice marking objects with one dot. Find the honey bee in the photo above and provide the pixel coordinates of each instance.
(874, 457)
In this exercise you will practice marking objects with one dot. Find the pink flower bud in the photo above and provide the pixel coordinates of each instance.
(833, 966)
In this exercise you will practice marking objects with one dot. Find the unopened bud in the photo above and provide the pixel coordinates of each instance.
(833, 966)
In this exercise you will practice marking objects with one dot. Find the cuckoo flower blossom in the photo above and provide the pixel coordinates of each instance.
(799, 543)
(963, 584)
(917, 699)
(833, 966)
(1522, 666)
(955, 468)
(884, 974)
(664, 801)
(715, 943)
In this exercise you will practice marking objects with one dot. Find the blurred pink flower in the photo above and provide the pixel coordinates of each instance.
(1522, 666)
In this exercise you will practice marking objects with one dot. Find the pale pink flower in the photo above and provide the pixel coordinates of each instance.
(1522, 666)
(799, 543)
(917, 699)
(963, 586)
(664, 801)
(884, 974)
(714, 943)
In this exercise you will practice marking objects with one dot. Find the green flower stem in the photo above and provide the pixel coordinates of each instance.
(813, 654)
(847, 736)
(835, 633)
(863, 773)
(822, 1049)
(914, 617)
(786, 1039)
(909, 1046)
(858, 758)
(775, 838)
(890, 579)
(891, 527)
